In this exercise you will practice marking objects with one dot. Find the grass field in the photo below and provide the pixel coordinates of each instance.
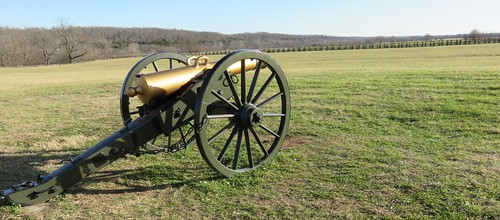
(389, 133)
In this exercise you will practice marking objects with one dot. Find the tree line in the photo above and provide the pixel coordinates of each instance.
(67, 44)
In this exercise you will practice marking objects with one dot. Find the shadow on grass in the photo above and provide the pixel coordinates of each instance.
(158, 177)
(16, 168)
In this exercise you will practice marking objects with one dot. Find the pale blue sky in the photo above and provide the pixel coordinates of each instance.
(337, 18)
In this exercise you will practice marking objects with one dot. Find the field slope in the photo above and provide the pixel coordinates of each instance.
(389, 133)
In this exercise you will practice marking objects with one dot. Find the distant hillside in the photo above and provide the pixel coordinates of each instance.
(66, 44)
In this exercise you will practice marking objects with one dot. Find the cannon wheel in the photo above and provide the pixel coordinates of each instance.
(244, 127)
(148, 62)
(152, 63)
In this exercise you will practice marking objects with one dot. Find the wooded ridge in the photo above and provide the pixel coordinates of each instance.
(67, 44)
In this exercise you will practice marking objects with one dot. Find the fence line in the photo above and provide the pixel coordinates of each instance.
(383, 45)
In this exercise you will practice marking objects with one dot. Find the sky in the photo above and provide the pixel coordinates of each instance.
(303, 17)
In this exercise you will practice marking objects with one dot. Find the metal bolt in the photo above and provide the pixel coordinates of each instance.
(177, 113)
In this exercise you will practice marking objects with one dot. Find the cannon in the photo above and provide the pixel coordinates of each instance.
(236, 109)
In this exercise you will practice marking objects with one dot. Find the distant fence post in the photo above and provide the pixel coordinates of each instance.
(380, 45)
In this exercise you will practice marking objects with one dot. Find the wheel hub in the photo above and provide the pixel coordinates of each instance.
(251, 116)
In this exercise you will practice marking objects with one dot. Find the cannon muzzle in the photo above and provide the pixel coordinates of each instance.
(153, 86)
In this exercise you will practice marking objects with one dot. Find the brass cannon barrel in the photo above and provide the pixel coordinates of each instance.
(153, 86)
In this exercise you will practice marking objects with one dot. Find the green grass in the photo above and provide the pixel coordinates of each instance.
(390, 133)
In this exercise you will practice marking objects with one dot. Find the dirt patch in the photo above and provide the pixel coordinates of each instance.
(296, 141)
(36, 208)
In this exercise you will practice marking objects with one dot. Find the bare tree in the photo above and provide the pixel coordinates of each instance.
(12, 50)
(25, 48)
(475, 34)
(3, 51)
(188, 44)
(3, 55)
(47, 45)
(427, 37)
(70, 41)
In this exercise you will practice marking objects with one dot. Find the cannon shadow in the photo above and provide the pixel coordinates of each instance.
(168, 177)
(18, 167)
